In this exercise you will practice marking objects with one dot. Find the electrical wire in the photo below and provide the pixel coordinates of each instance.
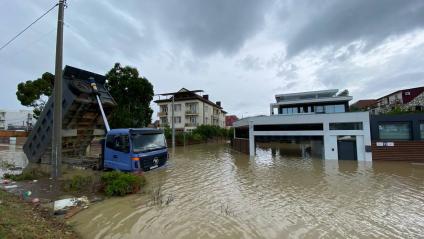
(20, 33)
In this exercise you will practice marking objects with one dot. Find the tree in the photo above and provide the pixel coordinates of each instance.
(35, 93)
(133, 93)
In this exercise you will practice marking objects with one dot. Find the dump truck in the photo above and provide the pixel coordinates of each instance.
(86, 105)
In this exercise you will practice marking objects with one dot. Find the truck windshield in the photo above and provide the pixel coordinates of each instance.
(147, 142)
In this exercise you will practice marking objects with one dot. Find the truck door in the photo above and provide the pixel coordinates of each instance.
(117, 152)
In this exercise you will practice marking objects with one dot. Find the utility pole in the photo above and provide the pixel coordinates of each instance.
(57, 116)
(172, 123)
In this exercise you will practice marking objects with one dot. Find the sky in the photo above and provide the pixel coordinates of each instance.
(240, 52)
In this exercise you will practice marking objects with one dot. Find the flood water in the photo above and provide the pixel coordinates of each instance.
(12, 159)
(211, 191)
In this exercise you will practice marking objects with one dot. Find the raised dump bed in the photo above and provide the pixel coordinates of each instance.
(81, 118)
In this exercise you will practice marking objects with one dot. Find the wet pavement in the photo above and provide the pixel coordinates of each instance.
(211, 191)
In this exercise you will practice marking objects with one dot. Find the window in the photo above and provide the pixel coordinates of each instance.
(163, 108)
(177, 119)
(329, 109)
(422, 130)
(339, 108)
(288, 127)
(163, 120)
(319, 109)
(346, 126)
(118, 142)
(394, 131)
(177, 107)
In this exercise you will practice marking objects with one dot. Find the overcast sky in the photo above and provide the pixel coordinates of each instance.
(240, 52)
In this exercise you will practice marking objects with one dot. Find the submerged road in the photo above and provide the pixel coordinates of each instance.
(211, 191)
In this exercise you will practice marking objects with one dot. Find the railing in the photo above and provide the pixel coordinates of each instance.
(191, 112)
(191, 124)
(164, 125)
(162, 113)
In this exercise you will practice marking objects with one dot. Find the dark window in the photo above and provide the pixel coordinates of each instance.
(346, 126)
(422, 130)
(118, 142)
(242, 132)
(288, 127)
(394, 131)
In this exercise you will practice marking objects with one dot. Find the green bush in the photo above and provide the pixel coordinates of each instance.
(117, 183)
(78, 183)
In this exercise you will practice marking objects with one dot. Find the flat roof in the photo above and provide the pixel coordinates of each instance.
(319, 92)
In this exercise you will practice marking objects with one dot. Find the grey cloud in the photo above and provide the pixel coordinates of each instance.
(341, 22)
(205, 27)
(250, 63)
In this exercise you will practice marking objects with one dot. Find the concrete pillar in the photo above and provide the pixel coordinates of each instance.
(251, 139)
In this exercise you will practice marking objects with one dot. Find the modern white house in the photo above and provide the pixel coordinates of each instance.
(319, 116)
(190, 111)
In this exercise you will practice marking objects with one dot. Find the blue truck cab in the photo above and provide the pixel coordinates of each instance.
(138, 149)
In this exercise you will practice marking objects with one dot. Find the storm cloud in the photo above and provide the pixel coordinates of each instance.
(241, 52)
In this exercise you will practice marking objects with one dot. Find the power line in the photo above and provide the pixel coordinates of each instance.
(36, 20)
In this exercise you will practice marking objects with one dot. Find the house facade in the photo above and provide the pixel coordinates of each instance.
(319, 118)
(229, 120)
(406, 100)
(190, 110)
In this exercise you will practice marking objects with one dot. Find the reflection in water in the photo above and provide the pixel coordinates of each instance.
(220, 193)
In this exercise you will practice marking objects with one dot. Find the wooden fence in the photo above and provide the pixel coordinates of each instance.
(398, 151)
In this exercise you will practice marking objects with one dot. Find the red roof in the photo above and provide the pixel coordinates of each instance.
(363, 104)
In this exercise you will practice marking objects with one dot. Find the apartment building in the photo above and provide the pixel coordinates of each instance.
(190, 111)
(16, 120)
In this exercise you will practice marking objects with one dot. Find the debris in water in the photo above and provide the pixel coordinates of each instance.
(10, 186)
(5, 181)
(27, 194)
(62, 206)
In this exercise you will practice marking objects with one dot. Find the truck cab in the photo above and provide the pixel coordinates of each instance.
(138, 149)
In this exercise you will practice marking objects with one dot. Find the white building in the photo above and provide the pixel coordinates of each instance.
(16, 120)
(317, 116)
(190, 111)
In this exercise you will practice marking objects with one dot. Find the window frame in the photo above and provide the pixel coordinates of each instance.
(395, 123)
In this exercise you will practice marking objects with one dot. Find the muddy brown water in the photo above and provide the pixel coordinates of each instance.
(211, 191)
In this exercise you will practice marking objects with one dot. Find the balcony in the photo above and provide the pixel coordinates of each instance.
(162, 113)
(191, 124)
(191, 112)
